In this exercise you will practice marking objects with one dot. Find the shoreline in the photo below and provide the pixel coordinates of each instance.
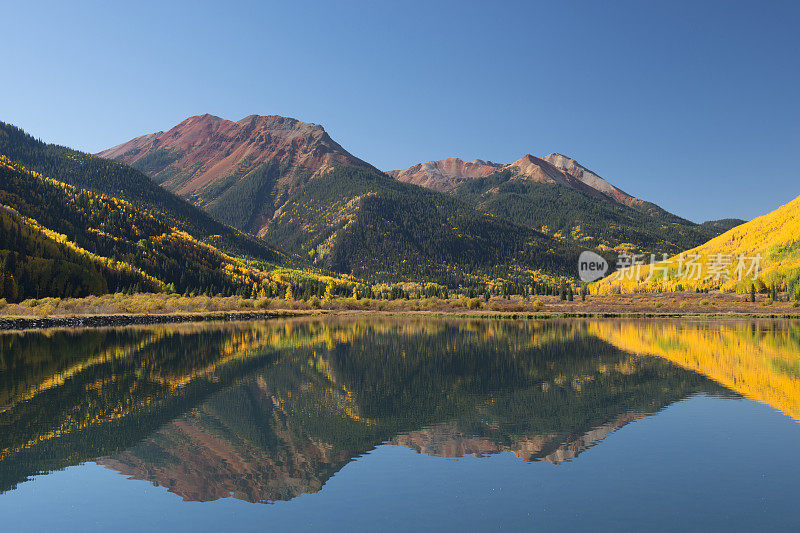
(119, 320)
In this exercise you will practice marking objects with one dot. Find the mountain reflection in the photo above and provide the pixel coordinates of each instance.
(267, 411)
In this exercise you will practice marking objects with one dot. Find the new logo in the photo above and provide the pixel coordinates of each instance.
(591, 266)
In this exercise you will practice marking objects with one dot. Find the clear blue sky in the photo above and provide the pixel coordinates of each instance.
(693, 105)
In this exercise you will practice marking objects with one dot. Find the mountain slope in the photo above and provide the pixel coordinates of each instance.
(37, 262)
(240, 172)
(775, 237)
(361, 221)
(583, 175)
(121, 181)
(559, 196)
(115, 237)
(572, 214)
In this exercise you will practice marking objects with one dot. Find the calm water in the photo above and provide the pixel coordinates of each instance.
(364, 425)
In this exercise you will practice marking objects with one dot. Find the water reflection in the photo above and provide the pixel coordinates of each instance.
(757, 359)
(268, 411)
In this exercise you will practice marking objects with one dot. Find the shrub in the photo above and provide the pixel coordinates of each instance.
(473, 303)
(537, 304)
(47, 308)
(315, 302)
(349, 303)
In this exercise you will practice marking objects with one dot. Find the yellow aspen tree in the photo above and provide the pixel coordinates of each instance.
(329, 291)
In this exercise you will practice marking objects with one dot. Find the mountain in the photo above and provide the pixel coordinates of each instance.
(774, 238)
(288, 182)
(117, 180)
(291, 184)
(240, 172)
(723, 224)
(588, 179)
(446, 174)
(360, 221)
(559, 196)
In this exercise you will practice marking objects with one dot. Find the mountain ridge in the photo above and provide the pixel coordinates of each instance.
(447, 174)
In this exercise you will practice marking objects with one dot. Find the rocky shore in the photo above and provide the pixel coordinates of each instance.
(131, 319)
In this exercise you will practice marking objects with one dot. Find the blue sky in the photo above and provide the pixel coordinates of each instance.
(692, 105)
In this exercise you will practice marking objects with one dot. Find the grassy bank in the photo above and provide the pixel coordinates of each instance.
(685, 303)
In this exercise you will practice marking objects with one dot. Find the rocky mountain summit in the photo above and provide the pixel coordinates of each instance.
(241, 172)
(556, 169)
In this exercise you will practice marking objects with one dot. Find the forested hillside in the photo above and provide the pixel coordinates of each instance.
(360, 221)
(568, 213)
(115, 179)
(760, 255)
(115, 233)
(36, 262)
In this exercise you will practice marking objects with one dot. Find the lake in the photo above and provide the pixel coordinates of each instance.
(402, 425)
